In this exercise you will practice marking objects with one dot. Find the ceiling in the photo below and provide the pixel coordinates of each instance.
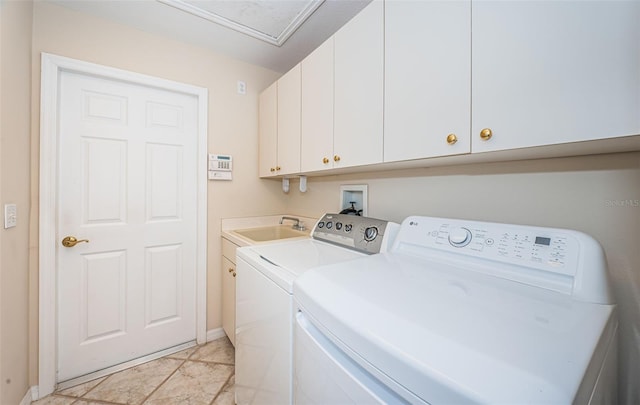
(253, 31)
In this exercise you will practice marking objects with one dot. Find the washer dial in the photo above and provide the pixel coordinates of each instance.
(370, 233)
(459, 237)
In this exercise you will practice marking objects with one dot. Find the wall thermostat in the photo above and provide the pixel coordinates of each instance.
(220, 167)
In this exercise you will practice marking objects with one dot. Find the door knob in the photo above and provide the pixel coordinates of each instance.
(71, 241)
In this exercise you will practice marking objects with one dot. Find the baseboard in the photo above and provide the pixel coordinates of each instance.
(214, 334)
(30, 395)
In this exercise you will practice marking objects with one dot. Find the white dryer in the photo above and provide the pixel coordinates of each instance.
(460, 312)
(264, 303)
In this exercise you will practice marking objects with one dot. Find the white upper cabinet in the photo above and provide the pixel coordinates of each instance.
(358, 106)
(289, 110)
(549, 72)
(279, 127)
(317, 109)
(268, 131)
(427, 79)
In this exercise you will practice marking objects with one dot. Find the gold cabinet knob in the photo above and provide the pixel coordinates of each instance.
(273, 169)
(231, 270)
(278, 168)
(234, 274)
(486, 134)
(71, 241)
(325, 160)
(336, 158)
(451, 139)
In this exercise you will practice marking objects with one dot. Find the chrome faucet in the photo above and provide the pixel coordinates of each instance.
(297, 225)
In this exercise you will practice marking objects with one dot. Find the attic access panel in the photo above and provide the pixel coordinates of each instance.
(272, 21)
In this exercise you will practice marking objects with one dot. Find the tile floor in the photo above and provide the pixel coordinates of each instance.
(199, 375)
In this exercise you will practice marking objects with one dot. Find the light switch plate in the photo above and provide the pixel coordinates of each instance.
(10, 216)
(242, 87)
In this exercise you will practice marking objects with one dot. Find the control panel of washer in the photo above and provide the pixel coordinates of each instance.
(561, 260)
(363, 234)
(548, 249)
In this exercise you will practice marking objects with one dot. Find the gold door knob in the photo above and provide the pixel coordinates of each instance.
(486, 134)
(71, 241)
(336, 158)
(325, 160)
(272, 170)
(451, 139)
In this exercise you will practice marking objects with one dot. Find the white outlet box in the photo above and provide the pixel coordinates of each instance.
(10, 216)
(357, 194)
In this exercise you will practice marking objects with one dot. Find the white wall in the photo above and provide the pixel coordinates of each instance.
(599, 195)
(15, 81)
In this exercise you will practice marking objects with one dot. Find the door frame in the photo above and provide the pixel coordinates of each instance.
(52, 67)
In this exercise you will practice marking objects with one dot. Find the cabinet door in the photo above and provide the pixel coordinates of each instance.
(268, 131)
(317, 109)
(548, 72)
(229, 299)
(359, 60)
(427, 79)
(289, 122)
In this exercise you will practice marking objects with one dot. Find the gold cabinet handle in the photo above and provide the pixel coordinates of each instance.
(71, 241)
(272, 170)
(451, 139)
(336, 158)
(325, 160)
(486, 134)
(278, 168)
(234, 274)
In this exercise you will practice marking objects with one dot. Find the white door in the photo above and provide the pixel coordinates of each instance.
(359, 89)
(550, 72)
(427, 79)
(127, 184)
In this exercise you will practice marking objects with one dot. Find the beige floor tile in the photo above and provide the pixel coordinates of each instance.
(184, 354)
(218, 351)
(132, 386)
(227, 396)
(80, 390)
(54, 400)
(194, 383)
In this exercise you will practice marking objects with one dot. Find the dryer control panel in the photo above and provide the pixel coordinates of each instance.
(558, 259)
(367, 235)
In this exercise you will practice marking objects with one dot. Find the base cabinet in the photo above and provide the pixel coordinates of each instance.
(229, 289)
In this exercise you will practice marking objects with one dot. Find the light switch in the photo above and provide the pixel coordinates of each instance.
(242, 87)
(10, 216)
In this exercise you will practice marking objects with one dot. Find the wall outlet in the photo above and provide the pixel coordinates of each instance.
(10, 216)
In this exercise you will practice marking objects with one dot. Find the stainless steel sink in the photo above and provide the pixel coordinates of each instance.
(267, 233)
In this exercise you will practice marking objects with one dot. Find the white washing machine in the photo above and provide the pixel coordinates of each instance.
(264, 304)
(460, 312)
